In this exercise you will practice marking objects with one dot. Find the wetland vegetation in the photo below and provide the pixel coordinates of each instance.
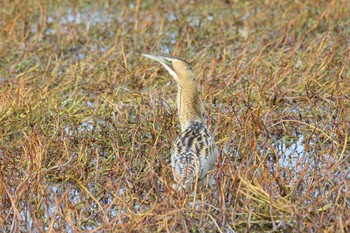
(86, 124)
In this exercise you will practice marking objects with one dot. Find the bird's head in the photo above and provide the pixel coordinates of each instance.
(179, 69)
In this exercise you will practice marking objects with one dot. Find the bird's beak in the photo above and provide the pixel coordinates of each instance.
(164, 61)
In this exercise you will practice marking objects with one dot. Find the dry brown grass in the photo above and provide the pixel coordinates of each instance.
(86, 124)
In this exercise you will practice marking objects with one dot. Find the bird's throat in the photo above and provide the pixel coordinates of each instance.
(190, 106)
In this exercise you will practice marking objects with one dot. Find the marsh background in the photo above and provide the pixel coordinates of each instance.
(86, 124)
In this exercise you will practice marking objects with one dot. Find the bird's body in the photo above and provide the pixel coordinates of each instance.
(194, 152)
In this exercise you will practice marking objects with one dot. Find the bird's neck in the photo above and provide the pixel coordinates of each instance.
(189, 103)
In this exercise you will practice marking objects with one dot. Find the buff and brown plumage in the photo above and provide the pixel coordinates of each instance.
(194, 152)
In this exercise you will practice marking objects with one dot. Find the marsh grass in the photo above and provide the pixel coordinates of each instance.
(86, 124)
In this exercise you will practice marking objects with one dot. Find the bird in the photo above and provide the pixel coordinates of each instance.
(194, 152)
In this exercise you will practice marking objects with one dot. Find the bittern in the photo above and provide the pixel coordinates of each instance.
(194, 152)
